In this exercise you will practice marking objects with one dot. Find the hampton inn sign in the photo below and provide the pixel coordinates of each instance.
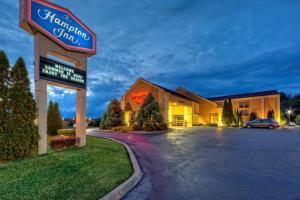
(61, 26)
(58, 33)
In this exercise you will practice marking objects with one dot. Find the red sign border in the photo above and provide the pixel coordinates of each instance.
(41, 29)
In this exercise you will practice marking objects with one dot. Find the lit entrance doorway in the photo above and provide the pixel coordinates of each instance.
(178, 120)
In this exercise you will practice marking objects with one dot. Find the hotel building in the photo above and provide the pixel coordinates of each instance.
(185, 108)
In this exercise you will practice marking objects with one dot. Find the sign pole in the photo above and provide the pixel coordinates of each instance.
(80, 116)
(41, 97)
(58, 32)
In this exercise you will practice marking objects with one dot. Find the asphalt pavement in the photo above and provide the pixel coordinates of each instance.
(216, 163)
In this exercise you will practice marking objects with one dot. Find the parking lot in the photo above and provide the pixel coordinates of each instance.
(216, 163)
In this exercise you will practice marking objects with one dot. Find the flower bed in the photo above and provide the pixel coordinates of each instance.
(62, 142)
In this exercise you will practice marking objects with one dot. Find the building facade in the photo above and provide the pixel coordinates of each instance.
(185, 108)
(259, 102)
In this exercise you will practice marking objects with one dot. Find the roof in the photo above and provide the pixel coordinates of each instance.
(194, 94)
(168, 90)
(245, 95)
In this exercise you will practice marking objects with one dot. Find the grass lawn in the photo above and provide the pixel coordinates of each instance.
(77, 173)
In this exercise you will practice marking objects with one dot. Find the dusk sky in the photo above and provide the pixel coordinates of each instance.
(211, 47)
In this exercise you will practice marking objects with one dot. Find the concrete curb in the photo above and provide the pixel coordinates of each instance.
(134, 132)
(120, 191)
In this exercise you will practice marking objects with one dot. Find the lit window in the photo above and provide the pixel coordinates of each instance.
(245, 112)
(244, 104)
(213, 118)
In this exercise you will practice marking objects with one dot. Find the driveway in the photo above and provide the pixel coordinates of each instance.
(215, 163)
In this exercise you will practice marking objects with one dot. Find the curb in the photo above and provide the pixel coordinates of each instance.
(135, 132)
(120, 191)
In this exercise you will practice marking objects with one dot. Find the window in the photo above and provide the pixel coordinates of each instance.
(244, 104)
(213, 118)
(245, 112)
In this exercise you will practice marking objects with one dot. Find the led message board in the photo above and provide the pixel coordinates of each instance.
(54, 71)
(60, 25)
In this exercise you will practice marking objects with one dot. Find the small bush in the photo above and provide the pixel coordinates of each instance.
(212, 125)
(61, 142)
(67, 132)
(198, 124)
(297, 120)
(162, 126)
(123, 129)
(253, 116)
(19, 141)
(148, 126)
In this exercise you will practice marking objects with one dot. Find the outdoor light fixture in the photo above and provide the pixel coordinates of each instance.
(289, 112)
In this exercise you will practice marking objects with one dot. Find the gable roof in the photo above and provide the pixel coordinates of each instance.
(245, 95)
(194, 94)
(165, 89)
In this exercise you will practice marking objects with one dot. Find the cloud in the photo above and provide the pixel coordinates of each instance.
(210, 47)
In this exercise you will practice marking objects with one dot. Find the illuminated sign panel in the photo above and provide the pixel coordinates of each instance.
(139, 97)
(54, 71)
(61, 25)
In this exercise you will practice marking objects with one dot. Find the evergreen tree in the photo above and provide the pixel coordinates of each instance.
(54, 121)
(4, 117)
(50, 119)
(114, 115)
(149, 117)
(238, 118)
(271, 114)
(21, 133)
(283, 120)
(4, 83)
(253, 116)
(57, 117)
(230, 112)
(241, 119)
(297, 120)
(225, 112)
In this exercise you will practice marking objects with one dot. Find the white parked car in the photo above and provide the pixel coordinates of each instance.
(292, 124)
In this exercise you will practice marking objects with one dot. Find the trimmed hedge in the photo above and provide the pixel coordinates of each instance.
(212, 125)
(62, 142)
(123, 129)
(67, 132)
(198, 124)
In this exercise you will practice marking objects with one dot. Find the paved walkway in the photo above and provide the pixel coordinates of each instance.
(212, 163)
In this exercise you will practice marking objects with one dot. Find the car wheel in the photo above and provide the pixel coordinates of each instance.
(271, 127)
(248, 126)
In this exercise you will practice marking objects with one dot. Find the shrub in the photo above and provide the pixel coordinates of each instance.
(283, 120)
(227, 113)
(297, 120)
(271, 114)
(67, 132)
(162, 126)
(123, 129)
(18, 133)
(114, 115)
(198, 124)
(212, 125)
(253, 116)
(54, 121)
(149, 117)
(20, 142)
(61, 142)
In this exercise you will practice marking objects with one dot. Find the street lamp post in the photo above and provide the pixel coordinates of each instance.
(289, 112)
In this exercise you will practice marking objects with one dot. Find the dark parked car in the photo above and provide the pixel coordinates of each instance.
(262, 123)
